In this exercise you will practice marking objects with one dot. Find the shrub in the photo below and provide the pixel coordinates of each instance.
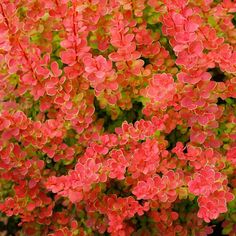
(117, 117)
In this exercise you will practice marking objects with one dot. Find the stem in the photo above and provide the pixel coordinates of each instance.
(3, 13)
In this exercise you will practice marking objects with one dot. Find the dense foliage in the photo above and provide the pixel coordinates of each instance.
(117, 117)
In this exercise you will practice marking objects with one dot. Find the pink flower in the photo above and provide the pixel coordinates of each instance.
(215, 204)
(4, 123)
(161, 89)
(231, 155)
(97, 68)
(68, 57)
(116, 165)
(194, 76)
(145, 159)
(206, 181)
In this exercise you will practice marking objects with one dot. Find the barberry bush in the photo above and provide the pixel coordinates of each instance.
(117, 117)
